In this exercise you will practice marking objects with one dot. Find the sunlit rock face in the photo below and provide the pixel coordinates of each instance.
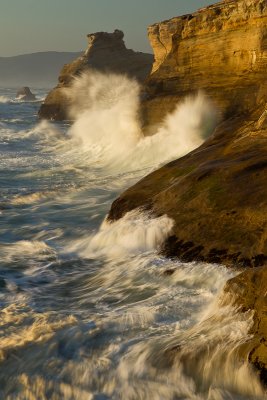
(106, 52)
(220, 49)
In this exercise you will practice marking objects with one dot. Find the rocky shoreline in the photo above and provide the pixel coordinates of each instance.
(217, 194)
(248, 291)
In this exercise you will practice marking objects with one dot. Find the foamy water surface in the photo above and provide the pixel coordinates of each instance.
(89, 310)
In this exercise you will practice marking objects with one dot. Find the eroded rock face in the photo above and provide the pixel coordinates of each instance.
(217, 194)
(221, 49)
(106, 52)
(249, 292)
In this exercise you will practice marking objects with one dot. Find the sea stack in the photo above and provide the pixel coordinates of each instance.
(25, 94)
(106, 52)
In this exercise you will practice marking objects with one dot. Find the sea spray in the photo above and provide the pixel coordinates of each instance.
(137, 232)
(186, 128)
(106, 113)
(4, 99)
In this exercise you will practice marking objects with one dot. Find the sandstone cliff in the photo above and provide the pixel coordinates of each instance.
(220, 49)
(217, 194)
(105, 52)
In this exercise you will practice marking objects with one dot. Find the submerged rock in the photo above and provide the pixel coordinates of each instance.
(106, 52)
(25, 94)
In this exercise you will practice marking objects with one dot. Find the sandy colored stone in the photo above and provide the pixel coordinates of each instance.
(217, 194)
(221, 50)
(106, 52)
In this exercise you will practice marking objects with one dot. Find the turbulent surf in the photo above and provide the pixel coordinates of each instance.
(89, 309)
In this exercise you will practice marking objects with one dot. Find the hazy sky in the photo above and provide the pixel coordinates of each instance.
(38, 25)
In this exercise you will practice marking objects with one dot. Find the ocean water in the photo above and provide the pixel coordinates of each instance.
(88, 309)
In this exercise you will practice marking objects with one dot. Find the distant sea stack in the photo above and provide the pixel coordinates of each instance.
(217, 194)
(25, 94)
(106, 52)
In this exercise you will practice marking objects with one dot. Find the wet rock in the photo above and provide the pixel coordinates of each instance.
(248, 291)
(106, 52)
(217, 194)
(25, 94)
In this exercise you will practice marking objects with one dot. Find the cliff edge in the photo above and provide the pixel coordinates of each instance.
(219, 217)
(217, 194)
(220, 49)
(106, 52)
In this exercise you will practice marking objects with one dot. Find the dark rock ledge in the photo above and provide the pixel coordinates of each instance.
(249, 292)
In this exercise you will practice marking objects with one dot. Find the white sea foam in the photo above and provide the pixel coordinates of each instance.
(4, 99)
(25, 249)
(107, 133)
(146, 327)
(105, 109)
(135, 233)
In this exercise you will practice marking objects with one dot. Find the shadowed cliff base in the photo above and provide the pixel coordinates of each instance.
(216, 195)
(221, 49)
(106, 52)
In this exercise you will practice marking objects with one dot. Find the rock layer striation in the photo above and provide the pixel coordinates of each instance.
(106, 52)
(221, 49)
